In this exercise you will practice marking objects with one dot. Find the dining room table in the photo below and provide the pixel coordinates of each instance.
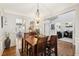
(31, 42)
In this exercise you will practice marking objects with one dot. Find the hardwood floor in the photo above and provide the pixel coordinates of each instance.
(64, 49)
(9, 52)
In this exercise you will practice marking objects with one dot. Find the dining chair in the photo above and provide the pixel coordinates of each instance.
(41, 46)
(51, 46)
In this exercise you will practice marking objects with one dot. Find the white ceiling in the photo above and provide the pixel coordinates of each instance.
(29, 9)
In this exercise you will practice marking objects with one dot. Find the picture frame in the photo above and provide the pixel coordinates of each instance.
(52, 26)
(1, 21)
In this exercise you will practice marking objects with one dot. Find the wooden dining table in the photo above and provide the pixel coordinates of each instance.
(30, 42)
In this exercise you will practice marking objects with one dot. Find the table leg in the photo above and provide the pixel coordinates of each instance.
(27, 49)
(45, 52)
(22, 45)
(25, 44)
(56, 52)
(32, 50)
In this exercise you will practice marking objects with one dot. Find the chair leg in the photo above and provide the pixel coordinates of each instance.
(22, 45)
(45, 52)
(56, 54)
(27, 49)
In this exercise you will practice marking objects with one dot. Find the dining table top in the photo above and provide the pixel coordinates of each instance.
(31, 40)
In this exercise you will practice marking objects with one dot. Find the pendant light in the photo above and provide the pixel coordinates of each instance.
(37, 14)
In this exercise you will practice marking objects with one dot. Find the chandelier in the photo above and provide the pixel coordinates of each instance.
(37, 18)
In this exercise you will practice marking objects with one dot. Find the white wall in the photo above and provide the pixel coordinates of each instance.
(46, 28)
(41, 26)
(11, 27)
(27, 19)
(77, 31)
(2, 36)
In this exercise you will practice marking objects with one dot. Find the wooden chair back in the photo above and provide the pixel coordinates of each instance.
(53, 43)
(41, 45)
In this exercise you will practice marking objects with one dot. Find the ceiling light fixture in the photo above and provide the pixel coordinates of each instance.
(37, 14)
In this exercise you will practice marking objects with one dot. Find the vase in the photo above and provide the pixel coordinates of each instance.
(7, 42)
